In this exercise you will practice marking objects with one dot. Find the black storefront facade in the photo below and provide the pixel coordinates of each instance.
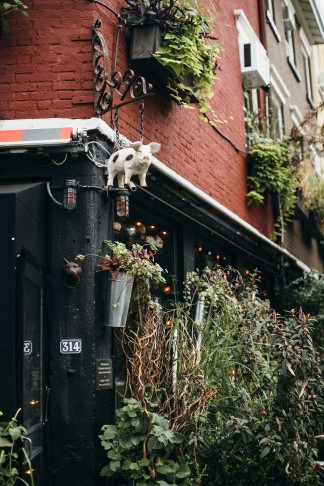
(53, 340)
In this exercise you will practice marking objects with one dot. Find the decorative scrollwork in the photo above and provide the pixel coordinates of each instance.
(104, 87)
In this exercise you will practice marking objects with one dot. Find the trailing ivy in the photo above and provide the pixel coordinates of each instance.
(272, 174)
(188, 56)
(189, 52)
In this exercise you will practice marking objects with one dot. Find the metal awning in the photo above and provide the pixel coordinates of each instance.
(35, 137)
(47, 132)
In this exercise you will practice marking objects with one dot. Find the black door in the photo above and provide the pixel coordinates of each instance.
(23, 357)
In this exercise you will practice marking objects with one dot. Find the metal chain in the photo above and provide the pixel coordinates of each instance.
(119, 144)
(116, 126)
(142, 120)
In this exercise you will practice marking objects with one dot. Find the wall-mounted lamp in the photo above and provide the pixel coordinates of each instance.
(69, 194)
(121, 196)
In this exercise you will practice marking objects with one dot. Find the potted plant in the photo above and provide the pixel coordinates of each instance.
(6, 7)
(177, 36)
(124, 267)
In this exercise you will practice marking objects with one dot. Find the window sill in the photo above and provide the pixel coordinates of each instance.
(273, 26)
(294, 69)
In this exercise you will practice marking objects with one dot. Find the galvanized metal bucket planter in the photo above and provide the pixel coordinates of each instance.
(118, 291)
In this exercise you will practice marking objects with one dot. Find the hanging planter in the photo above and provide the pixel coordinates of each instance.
(124, 267)
(118, 292)
(145, 40)
(174, 42)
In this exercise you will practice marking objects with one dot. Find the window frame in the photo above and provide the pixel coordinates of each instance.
(271, 18)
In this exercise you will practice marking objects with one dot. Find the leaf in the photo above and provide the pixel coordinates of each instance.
(164, 469)
(183, 471)
(265, 452)
(109, 432)
(113, 454)
(5, 442)
(152, 444)
(114, 465)
(15, 433)
(106, 472)
(126, 442)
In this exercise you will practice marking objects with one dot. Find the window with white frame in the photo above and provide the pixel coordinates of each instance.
(279, 95)
(251, 78)
(277, 117)
(289, 20)
(251, 109)
(271, 18)
(307, 52)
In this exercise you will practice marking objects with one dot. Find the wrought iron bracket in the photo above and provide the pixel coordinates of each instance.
(128, 87)
(106, 6)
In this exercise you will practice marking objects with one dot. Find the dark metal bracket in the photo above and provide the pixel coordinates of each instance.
(127, 85)
(106, 6)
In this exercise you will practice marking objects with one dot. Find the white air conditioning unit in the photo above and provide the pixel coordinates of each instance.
(254, 65)
(320, 83)
(289, 19)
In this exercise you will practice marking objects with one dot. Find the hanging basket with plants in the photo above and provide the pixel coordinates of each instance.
(175, 38)
(123, 268)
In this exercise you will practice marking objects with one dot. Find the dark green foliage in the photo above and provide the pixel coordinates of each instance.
(246, 393)
(306, 291)
(272, 174)
(11, 448)
(265, 419)
(139, 447)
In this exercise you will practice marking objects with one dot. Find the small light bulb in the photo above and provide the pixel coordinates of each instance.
(166, 289)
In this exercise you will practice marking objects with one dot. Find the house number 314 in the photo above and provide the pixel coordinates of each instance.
(71, 346)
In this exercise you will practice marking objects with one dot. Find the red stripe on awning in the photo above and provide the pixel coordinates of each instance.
(11, 135)
(66, 133)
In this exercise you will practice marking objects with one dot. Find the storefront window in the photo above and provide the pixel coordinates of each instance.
(146, 229)
(209, 254)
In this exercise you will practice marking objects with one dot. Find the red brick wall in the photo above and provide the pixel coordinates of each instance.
(46, 71)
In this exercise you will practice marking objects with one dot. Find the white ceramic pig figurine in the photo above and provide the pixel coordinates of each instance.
(134, 160)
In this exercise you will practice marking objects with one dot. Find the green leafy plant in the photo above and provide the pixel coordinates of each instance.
(11, 446)
(306, 144)
(265, 418)
(307, 291)
(272, 174)
(188, 56)
(239, 383)
(272, 170)
(189, 52)
(138, 447)
(137, 261)
(166, 396)
(7, 7)
(312, 192)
